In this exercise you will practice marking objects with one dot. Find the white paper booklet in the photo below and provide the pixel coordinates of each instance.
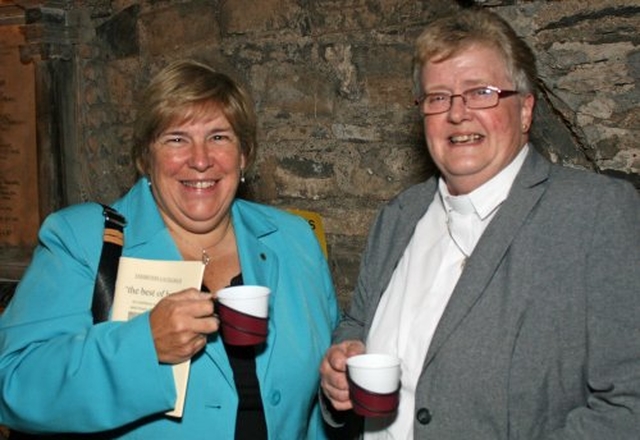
(141, 284)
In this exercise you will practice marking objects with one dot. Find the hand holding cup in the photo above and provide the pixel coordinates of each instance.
(333, 372)
(374, 384)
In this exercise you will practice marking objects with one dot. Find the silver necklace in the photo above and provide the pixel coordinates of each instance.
(206, 258)
(455, 241)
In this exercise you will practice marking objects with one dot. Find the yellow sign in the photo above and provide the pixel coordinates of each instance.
(315, 222)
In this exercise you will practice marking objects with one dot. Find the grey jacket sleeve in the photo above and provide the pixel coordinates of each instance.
(613, 323)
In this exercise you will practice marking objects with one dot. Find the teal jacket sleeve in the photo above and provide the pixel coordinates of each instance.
(52, 359)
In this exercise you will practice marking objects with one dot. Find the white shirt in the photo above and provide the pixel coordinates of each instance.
(422, 283)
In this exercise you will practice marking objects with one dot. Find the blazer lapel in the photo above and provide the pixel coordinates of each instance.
(259, 267)
(493, 245)
(145, 235)
(258, 261)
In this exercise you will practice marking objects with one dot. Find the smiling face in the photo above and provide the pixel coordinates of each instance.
(194, 168)
(471, 146)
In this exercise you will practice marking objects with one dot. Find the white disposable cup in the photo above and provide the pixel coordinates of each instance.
(251, 300)
(378, 373)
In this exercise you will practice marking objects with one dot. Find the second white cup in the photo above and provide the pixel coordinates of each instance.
(377, 373)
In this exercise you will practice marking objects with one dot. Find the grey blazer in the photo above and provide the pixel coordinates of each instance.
(541, 336)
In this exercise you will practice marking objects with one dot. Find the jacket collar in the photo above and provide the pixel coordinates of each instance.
(144, 222)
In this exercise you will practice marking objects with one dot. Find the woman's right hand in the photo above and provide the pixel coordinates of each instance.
(180, 323)
(333, 373)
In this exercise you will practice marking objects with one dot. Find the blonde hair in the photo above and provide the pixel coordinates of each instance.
(183, 91)
(450, 35)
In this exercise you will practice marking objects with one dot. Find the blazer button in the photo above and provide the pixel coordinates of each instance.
(275, 398)
(424, 416)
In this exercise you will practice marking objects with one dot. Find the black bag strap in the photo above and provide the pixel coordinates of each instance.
(113, 240)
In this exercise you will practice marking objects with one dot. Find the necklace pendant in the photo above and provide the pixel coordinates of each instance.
(205, 257)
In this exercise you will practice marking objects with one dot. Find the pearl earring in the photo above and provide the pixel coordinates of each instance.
(242, 179)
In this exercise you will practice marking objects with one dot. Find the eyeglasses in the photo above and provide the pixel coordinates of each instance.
(476, 98)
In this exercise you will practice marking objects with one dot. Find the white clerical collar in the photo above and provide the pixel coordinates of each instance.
(485, 199)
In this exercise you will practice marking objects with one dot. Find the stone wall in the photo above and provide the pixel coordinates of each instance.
(338, 130)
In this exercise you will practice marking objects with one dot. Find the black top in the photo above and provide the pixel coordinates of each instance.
(250, 421)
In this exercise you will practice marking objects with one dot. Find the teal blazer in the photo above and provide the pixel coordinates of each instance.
(60, 373)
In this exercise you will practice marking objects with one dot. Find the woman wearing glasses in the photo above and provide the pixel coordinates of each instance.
(508, 286)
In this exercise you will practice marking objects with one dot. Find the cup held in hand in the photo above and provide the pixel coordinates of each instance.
(374, 384)
(243, 312)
